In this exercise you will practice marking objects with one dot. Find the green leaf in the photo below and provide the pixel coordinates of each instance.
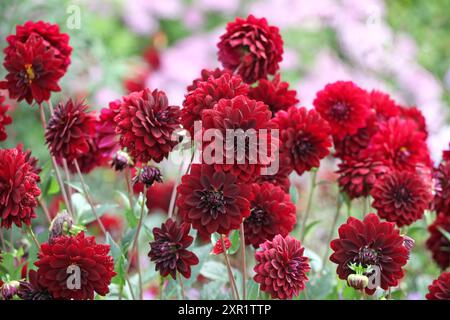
(212, 291)
(310, 226)
(252, 290)
(445, 233)
(314, 259)
(235, 240)
(214, 270)
(294, 194)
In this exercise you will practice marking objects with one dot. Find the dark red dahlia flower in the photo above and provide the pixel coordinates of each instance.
(400, 145)
(32, 290)
(145, 123)
(205, 75)
(374, 243)
(82, 256)
(401, 197)
(108, 141)
(33, 71)
(415, 115)
(212, 200)
(18, 187)
(251, 48)
(274, 93)
(169, 249)
(345, 106)
(281, 267)
(304, 136)
(69, 130)
(442, 187)
(50, 34)
(440, 288)
(113, 223)
(446, 154)
(207, 94)
(248, 149)
(4, 118)
(159, 195)
(438, 243)
(357, 177)
(87, 161)
(281, 177)
(137, 81)
(385, 108)
(271, 212)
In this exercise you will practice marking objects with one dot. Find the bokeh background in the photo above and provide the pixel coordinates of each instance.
(398, 46)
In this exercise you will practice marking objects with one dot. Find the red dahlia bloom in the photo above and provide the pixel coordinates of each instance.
(207, 94)
(251, 48)
(113, 224)
(218, 247)
(275, 93)
(446, 154)
(50, 34)
(383, 105)
(243, 116)
(145, 123)
(169, 249)
(4, 118)
(87, 161)
(440, 288)
(345, 106)
(442, 187)
(438, 243)
(205, 75)
(96, 267)
(272, 213)
(281, 177)
(370, 242)
(32, 290)
(357, 177)
(69, 130)
(281, 267)
(159, 195)
(304, 136)
(212, 200)
(400, 145)
(401, 197)
(33, 71)
(18, 187)
(106, 130)
(415, 115)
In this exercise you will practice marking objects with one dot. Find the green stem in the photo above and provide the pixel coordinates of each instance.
(33, 236)
(243, 261)
(330, 235)
(309, 204)
(230, 271)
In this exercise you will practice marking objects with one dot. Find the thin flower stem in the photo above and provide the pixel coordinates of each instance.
(243, 261)
(33, 236)
(308, 206)
(11, 239)
(183, 296)
(129, 188)
(88, 197)
(2, 240)
(69, 188)
(45, 209)
(330, 235)
(230, 272)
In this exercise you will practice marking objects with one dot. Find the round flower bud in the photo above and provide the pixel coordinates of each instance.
(358, 281)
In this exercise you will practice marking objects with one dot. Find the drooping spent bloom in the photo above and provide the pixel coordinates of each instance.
(51, 35)
(33, 71)
(345, 106)
(251, 48)
(207, 94)
(357, 177)
(271, 212)
(438, 243)
(32, 289)
(212, 201)
(18, 187)
(148, 175)
(440, 288)
(169, 249)
(400, 145)
(281, 267)
(96, 267)
(69, 130)
(145, 124)
(370, 242)
(251, 147)
(442, 187)
(401, 197)
(275, 94)
(304, 137)
(4, 118)
(205, 75)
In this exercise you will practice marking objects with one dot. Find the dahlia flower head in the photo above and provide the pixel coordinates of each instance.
(281, 267)
(169, 249)
(440, 288)
(80, 251)
(275, 94)
(145, 124)
(271, 213)
(250, 156)
(205, 74)
(374, 243)
(442, 187)
(32, 289)
(438, 243)
(33, 71)
(207, 94)
(19, 188)
(212, 201)
(70, 130)
(218, 246)
(304, 137)
(281, 177)
(4, 118)
(251, 48)
(107, 140)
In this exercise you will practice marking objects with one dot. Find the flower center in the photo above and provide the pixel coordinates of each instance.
(402, 195)
(30, 75)
(367, 256)
(403, 154)
(340, 111)
(293, 268)
(302, 147)
(258, 217)
(213, 201)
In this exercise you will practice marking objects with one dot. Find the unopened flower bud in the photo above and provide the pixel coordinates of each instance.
(9, 289)
(149, 175)
(358, 281)
(121, 160)
(60, 225)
